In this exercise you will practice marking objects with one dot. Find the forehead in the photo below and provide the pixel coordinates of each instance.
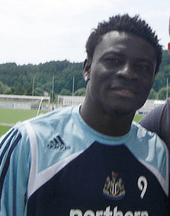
(127, 44)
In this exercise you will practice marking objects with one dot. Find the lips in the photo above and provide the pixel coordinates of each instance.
(124, 92)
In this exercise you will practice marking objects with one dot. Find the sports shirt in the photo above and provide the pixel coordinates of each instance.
(56, 165)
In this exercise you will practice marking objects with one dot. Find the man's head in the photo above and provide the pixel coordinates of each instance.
(121, 73)
(127, 24)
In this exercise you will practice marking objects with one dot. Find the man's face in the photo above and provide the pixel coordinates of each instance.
(122, 72)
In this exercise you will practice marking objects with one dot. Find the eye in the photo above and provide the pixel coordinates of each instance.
(143, 67)
(112, 61)
(144, 70)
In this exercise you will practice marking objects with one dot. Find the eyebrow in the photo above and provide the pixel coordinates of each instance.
(112, 53)
(143, 59)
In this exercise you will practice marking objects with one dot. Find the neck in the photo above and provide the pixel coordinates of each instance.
(114, 124)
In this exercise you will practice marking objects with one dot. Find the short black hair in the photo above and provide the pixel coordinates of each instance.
(133, 25)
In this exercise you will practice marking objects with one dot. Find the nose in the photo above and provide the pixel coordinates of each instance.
(127, 72)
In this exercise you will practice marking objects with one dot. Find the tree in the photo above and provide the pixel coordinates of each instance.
(162, 94)
(1, 88)
(28, 90)
(38, 92)
(18, 89)
(152, 94)
(7, 89)
(65, 92)
(164, 72)
(80, 92)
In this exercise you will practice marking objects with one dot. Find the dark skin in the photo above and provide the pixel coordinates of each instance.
(110, 125)
(120, 77)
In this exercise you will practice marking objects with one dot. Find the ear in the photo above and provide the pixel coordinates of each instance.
(86, 69)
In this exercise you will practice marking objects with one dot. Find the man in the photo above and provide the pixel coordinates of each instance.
(92, 160)
(158, 121)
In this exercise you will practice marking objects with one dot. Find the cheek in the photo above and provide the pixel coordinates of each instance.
(96, 78)
(102, 77)
(147, 83)
(99, 70)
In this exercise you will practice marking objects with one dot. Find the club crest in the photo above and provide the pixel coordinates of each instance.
(114, 187)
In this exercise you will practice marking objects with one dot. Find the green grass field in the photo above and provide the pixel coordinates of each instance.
(137, 118)
(3, 130)
(9, 117)
(12, 116)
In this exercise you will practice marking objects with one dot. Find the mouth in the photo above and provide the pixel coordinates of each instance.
(124, 92)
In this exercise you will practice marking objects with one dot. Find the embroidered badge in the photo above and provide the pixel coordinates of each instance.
(114, 187)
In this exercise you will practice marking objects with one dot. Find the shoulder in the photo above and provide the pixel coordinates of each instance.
(148, 139)
(158, 121)
(166, 111)
(14, 143)
(152, 120)
(52, 121)
(53, 116)
(152, 152)
(141, 131)
(151, 144)
(155, 116)
(14, 151)
(156, 112)
(20, 134)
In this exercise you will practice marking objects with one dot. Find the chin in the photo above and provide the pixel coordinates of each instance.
(121, 110)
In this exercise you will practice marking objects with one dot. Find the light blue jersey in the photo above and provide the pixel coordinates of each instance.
(57, 165)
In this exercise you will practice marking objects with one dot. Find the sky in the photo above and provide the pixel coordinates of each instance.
(39, 31)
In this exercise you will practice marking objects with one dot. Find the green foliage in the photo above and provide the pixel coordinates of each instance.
(153, 94)
(65, 92)
(7, 89)
(38, 92)
(164, 72)
(1, 88)
(19, 78)
(80, 92)
(18, 89)
(162, 94)
(28, 90)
